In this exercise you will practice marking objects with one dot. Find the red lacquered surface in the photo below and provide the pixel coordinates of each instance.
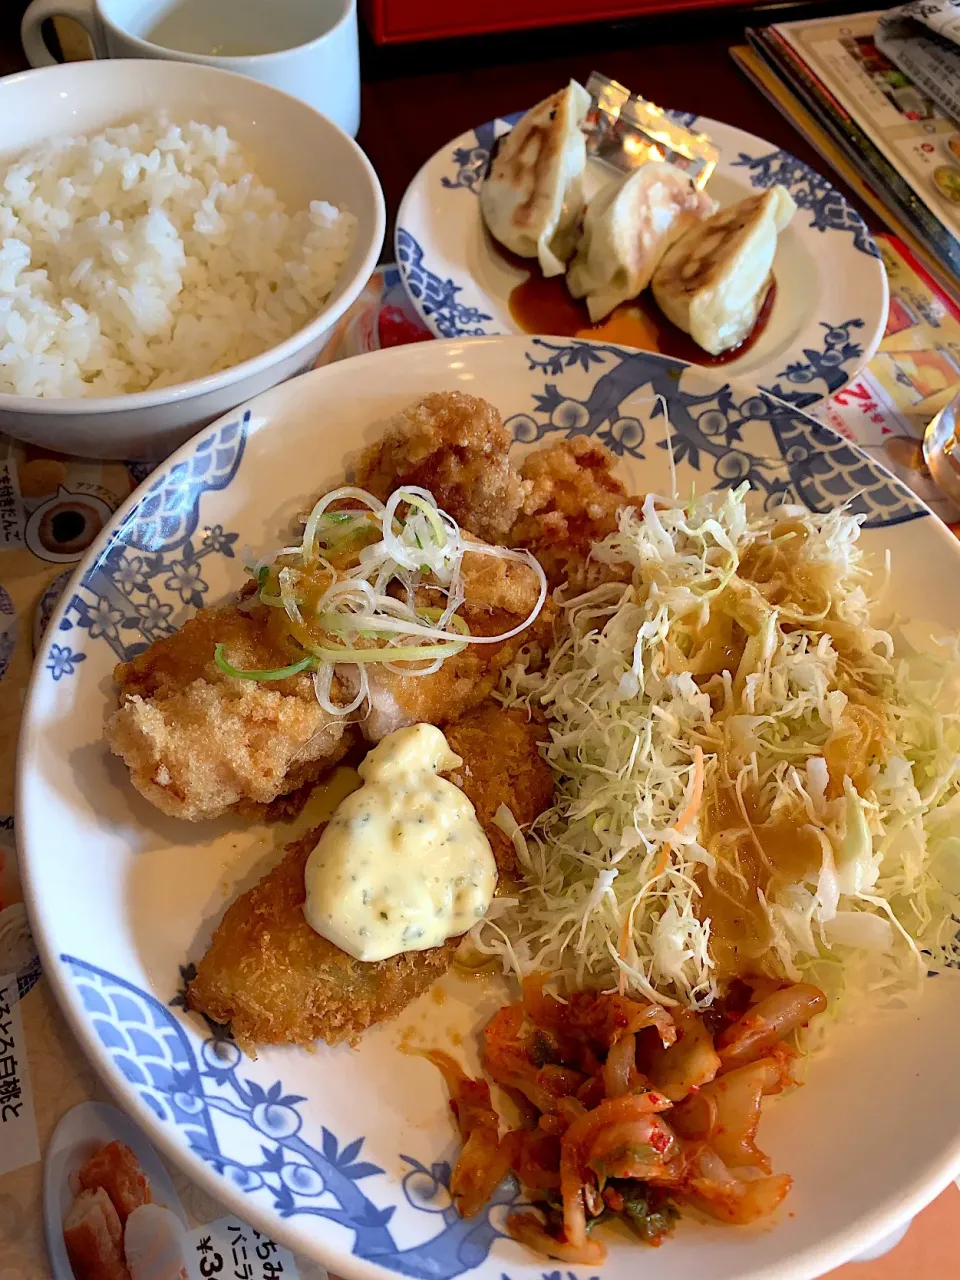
(395, 21)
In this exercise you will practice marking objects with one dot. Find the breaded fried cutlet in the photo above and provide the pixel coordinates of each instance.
(199, 742)
(502, 764)
(571, 500)
(456, 446)
(276, 981)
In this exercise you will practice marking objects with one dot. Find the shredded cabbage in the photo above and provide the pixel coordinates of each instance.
(732, 730)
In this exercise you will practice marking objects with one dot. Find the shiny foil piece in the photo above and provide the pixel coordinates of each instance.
(625, 131)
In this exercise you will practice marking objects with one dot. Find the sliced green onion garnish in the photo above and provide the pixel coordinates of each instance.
(402, 653)
(340, 624)
(431, 514)
(432, 614)
(341, 539)
(278, 673)
(356, 610)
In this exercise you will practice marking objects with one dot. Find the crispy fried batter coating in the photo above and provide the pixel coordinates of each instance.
(456, 446)
(276, 981)
(198, 742)
(502, 765)
(500, 593)
(571, 501)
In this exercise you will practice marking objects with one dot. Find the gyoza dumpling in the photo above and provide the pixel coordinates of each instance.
(532, 198)
(712, 282)
(629, 225)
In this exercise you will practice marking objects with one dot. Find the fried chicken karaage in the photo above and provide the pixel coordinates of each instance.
(564, 497)
(456, 446)
(276, 981)
(571, 500)
(499, 594)
(198, 742)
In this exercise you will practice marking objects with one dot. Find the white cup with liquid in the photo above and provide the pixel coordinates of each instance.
(307, 48)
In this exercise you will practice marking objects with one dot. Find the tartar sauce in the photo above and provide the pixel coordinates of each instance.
(403, 863)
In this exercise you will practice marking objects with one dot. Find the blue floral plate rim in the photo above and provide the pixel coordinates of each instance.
(438, 256)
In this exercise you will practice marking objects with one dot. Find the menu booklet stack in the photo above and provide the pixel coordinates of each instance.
(895, 139)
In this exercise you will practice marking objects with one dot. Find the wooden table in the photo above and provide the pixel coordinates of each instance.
(417, 99)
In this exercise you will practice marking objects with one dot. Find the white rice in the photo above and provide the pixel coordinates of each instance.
(148, 255)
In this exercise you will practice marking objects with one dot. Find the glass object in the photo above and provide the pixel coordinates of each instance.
(941, 449)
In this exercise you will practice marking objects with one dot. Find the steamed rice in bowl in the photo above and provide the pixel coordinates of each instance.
(152, 254)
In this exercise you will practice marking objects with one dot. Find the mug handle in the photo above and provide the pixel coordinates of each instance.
(37, 13)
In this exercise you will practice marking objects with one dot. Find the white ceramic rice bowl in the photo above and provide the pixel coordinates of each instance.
(299, 152)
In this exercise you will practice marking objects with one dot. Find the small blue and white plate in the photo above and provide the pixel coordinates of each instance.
(80, 1133)
(831, 304)
(344, 1154)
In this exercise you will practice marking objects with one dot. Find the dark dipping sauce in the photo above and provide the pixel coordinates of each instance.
(541, 305)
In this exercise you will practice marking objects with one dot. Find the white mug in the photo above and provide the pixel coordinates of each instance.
(307, 48)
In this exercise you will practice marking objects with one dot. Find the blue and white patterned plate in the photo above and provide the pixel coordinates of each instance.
(831, 304)
(344, 1154)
